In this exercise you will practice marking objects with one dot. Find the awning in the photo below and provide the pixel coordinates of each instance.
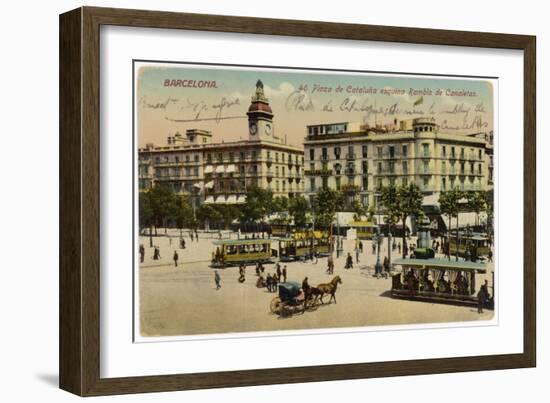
(209, 185)
(209, 169)
(431, 200)
(197, 185)
(231, 199)
(209, 200)
(220, 200)
(241, 199)
(231, 168)
(220, 169)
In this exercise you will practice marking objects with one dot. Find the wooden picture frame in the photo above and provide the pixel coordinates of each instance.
(80, 197)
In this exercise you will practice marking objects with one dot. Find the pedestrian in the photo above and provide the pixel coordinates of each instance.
(399, 247)
(257, 269)
(182, 243)
(141, 253)
(156, 253)
(306, 289)
(490, 255)
(482, 297)
(349, 262)
(361, 246)
(386, 264)
(274, 281)
(217, 279)
(373, 247)
(269, 282)
(330, 262)
(191, 235)
(278, 270)
(196, 236)
(242, 272)
(357, 255)
(176, 257)
(284, 273)
(219, 235)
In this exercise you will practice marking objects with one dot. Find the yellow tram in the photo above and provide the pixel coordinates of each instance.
(247, 251)
(477, 244)
(364, 229)
(303, 244)
(439, 280)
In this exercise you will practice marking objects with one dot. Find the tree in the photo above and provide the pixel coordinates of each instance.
(326, 203)
(389, 197)
(163, 203)
(358, 210)
(184, 213)
(208, 213)
(146, 216)
(409, 200)
(227, 213)
(449, 204)
(259, 204)
(476, 202)
(298, 208)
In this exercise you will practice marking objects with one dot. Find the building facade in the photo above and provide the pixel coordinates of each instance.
(359, 159)
(221, 173)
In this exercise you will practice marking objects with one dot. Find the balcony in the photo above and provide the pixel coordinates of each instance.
(318, 172)
(350, 188)
(351, 172)
(350, 157)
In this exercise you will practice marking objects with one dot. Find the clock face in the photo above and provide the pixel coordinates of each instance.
(253, 128)
(268, 129)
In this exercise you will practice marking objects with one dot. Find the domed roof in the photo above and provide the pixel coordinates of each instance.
(259, 107)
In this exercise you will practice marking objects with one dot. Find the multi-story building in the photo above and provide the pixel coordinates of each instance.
(222, 172)
(358, 159)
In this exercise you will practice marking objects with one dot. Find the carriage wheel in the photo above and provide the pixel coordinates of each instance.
(275, 305)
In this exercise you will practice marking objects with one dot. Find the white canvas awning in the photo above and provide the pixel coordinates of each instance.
(220, 169)
(209, 169)
(209, 200)
(209, 185)
(231, 168)
(220, 200)
(468, 219)
(431, 200)
(231, 199)
(241, 199)
(197, 185)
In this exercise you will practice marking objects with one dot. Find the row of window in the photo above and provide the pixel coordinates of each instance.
(393, 151)
(254, 154)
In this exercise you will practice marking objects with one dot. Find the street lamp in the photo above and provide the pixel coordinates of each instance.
(378, 268)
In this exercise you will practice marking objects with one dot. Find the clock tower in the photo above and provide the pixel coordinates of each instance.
(260, 116)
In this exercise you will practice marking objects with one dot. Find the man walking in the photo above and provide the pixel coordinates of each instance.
(482, 297)
(141, 253)
(176, 257)
(217, 280)
(284, 273)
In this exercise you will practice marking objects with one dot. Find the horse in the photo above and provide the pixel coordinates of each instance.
(326, 288)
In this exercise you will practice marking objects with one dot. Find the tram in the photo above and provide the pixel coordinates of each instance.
(303, 244)
(474, 244)
(365, 230)
(248, 251)
(440, 280)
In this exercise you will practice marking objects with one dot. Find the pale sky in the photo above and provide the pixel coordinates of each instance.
(299, 98)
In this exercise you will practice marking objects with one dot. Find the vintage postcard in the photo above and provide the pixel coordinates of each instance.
(275, 199)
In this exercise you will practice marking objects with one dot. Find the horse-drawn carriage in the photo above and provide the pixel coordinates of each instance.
(294, 299)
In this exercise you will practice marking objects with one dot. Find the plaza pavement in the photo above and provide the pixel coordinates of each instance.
(184, 300)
